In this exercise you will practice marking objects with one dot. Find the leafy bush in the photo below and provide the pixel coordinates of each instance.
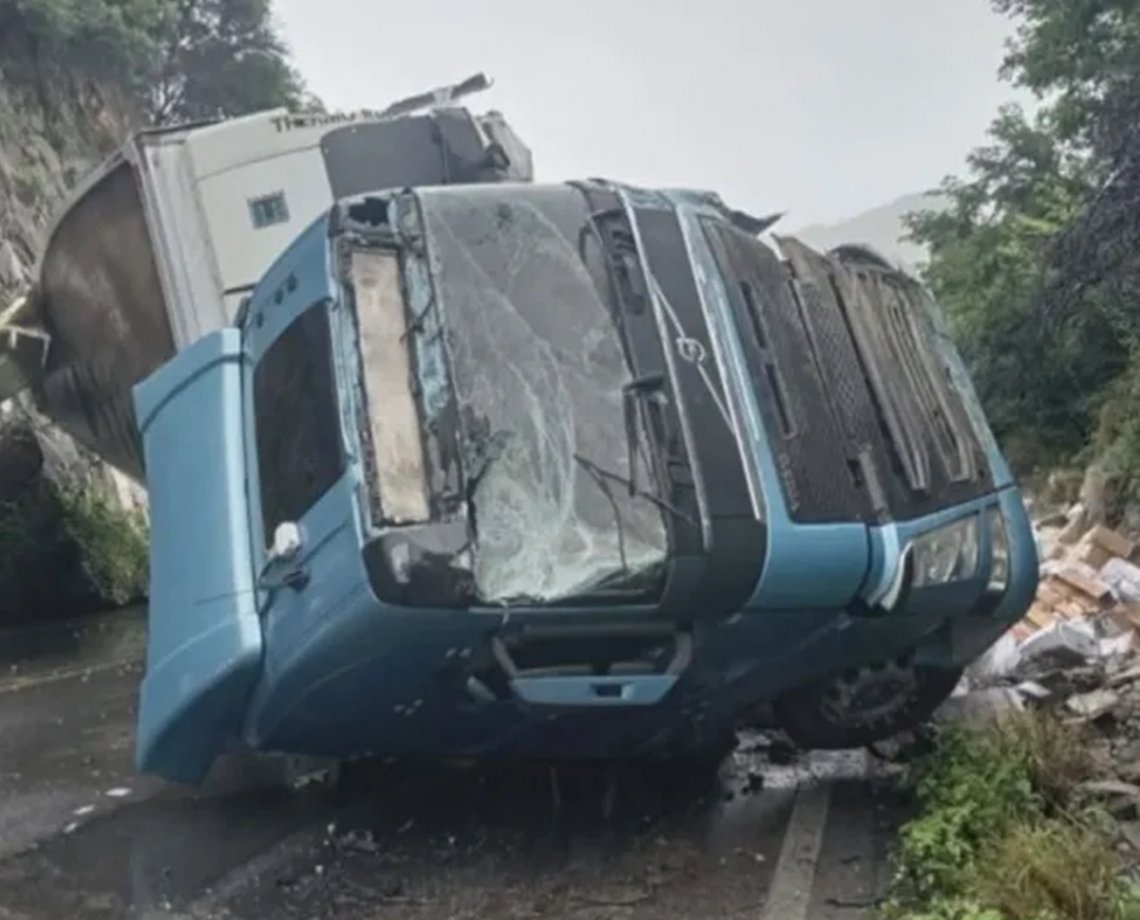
(114, 544)
(64, 551)
(999, 833)
(1117, 438)
(963, 791)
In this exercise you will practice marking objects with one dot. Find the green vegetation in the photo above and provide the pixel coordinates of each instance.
(113, 544)
(1002, 834)
(1037, 261)
(178, 59)
(68, 551)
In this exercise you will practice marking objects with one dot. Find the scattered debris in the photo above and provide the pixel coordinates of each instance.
(361, 841)
(310, 778)
(1093, 705)
(1108, 788)
(1123, 578)
(1130, 831)
(1062, 644)
(1086, 614)
(1076, 522)
(1076, 653)
(1030, 689)
(1128, 676)
(999, 660)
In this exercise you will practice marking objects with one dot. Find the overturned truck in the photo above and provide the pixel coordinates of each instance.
(483, 467)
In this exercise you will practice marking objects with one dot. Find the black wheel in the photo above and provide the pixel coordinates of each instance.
(862, 706)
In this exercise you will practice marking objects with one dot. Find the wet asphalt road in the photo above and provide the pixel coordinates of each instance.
(83, 835)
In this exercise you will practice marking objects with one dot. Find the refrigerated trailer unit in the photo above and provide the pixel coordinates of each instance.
(162, 244)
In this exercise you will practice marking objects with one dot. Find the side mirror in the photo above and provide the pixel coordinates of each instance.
(286, 541)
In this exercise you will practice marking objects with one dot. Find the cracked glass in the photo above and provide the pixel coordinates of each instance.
(538, 370)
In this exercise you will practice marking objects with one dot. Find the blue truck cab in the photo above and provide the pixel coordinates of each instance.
(565, 471)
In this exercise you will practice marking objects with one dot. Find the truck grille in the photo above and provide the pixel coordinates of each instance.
(853, 343)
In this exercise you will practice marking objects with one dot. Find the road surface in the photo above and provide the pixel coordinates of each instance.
(82, 835)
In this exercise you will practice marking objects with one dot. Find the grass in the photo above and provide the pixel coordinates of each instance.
(1042, 868)
(1002, 832)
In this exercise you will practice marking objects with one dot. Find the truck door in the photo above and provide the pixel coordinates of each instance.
(305, 543)
(203, 636)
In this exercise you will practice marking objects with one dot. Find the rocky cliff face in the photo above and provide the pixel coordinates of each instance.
(55, 125)
(72, 530)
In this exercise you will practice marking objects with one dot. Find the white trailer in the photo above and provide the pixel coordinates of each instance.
(162, 243)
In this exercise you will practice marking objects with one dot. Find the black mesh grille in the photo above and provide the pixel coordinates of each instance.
(842, 373)
(867, 431)
(900, 406)
(818, 480)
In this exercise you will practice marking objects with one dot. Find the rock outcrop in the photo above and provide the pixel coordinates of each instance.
(72, 530)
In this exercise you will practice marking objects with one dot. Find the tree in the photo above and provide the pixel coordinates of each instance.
(989, 260)
(1038, 259)
(1078, 51)
(110, 38)
(181, 60)
(222, 57)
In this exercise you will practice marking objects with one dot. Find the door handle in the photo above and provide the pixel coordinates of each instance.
(296, 578)
(641, 690)
(273, 578)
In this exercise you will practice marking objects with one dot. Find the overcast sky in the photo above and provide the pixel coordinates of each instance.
(820, 107)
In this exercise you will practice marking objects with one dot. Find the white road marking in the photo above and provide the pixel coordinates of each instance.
(790, 892)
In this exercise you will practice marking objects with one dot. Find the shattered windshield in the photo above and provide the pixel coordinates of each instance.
(538, 370)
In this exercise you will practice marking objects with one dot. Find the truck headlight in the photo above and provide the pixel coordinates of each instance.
(999, 543)
(947, 554)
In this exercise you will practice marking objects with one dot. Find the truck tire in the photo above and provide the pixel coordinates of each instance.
(862, 706)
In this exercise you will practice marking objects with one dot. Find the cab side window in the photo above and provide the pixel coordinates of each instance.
(299, 452)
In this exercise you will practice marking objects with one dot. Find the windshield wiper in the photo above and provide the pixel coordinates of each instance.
(595, 473)
(640, 493)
